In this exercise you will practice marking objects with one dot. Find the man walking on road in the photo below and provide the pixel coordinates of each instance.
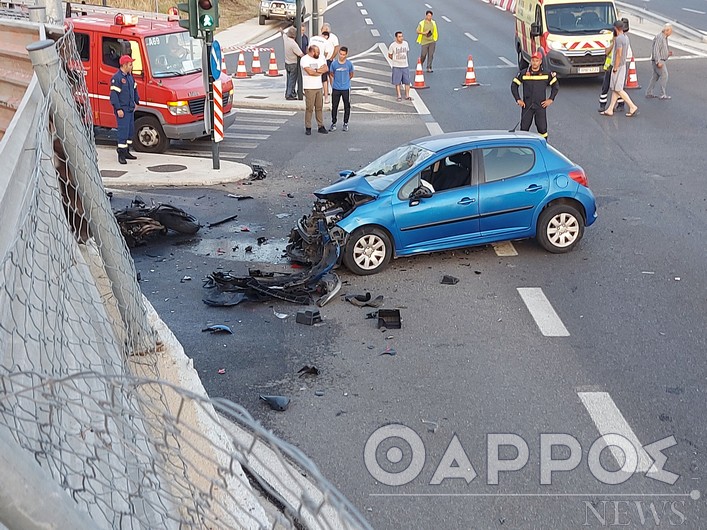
(659, 56)
(341, 72)
(313, 68)
(292, 56)
(398, 53)
(124, 98)
(535, 101)
(427, 39)
(618, 73)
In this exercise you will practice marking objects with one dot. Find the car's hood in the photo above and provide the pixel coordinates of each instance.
(355, 184)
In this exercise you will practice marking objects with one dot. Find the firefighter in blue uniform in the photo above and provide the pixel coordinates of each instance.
(124, 98)
(535, 100)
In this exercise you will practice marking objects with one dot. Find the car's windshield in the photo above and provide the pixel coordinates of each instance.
(590, 17)
(385, 170)
(174, 54)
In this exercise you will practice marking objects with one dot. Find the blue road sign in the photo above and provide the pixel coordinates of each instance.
(215, 59)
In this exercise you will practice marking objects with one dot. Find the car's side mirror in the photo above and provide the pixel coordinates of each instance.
(535, 30)
(421, 192)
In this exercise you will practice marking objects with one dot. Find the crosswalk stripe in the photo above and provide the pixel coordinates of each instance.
(370, 107)
(385, 72)
(377, 95)
(542, 312)
(370, 60)
(368, 81)
(266, 111)
(246, 136)
(258, 119)
(608, 419)
(237, 125)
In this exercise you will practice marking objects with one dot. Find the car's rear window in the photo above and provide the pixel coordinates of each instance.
(560, 155)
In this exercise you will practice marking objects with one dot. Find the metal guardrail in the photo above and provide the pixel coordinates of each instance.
(680, 28)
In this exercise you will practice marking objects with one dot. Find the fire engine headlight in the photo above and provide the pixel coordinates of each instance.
(177, 108)
(554, 45)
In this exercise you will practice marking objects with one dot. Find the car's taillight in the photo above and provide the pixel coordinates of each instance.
(578, 176)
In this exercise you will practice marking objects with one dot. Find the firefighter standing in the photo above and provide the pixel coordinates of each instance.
(535, 101)
(124, 98)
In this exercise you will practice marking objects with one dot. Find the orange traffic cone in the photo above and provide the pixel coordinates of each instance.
(419, 77)
(241, 72)
(224, 70)
(272, 68)
(256, 68)
(632, 78)
(470, 75)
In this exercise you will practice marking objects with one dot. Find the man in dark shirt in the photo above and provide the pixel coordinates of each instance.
(535, 100)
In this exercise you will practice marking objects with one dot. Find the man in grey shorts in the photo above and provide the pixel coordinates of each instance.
(398, 54)
(618, 73)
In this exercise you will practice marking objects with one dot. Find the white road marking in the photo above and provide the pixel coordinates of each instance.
(246, 136)
(367, 81)
(693, 11)
(266, 111)
(428, 6)
(445, 19)
(364, 12)
(434, 128)
(506, 61)
(367, 52)
(471, 37)
(609, 420)
(504, 249)
(375, 33)
(542, 312)
(236, 125)
(368, 21)
(371, 60)
(359, 4)
(258, 119)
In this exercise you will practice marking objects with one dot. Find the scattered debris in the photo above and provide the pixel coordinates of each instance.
(308, 370)
(477, 272)
(309, 317)
(431, 425)
(185, 279)
(276, 402)
(239, 197)
(139, 222)
(221, 371)
(244, 228)
(373, 314)
(290, 196)
(389, 319)
(281, 316)
(647, 272)
(388, 351)
(222, 221)
(258, 172)
(319, 393)
(364, 300)
(449, 280)
(248, 249)
(262, 240)
(677, 278)
(218, 328)
(282, 215)
(225, 299)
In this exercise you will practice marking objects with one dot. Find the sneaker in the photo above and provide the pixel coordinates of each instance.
(346, 127)
(665, 97)
(651, 96)
(308, 131)
(333, 127)
(322, 130)
(326, 99)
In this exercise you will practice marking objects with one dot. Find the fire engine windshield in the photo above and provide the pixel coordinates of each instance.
(588, 18)
(173, 55)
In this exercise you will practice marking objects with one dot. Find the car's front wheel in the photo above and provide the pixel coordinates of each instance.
(560, 228)
(149, 135)
(261, 20)
(368, 251)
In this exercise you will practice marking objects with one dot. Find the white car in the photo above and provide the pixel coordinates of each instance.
(279, 10)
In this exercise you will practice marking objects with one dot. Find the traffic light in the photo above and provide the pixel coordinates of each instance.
(188, 17)
(208, 14)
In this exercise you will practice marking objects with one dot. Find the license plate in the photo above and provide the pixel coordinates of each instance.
(588, 70)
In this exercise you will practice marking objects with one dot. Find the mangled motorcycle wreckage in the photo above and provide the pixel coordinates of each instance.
(139, 222)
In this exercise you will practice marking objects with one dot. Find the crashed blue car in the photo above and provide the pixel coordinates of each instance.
(446, 192)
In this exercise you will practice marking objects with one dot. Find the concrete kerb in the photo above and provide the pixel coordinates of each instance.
(166, 170)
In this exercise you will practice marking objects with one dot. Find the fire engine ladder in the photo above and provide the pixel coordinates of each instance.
(76, 9)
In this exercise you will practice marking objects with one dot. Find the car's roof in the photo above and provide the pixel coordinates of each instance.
(444, 141)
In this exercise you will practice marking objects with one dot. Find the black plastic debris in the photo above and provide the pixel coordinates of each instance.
(225, 299)
(449, 280)
(308, 370)
(290, 196)
(309, 317)
(373, 314)
(277, 402)
(222, 221)
(239, 197)
(389, 319)
(364, 300)
(218, 328)
(262, 240)
(258, 172)
(319, 393)
(389, 351)
(249, 248)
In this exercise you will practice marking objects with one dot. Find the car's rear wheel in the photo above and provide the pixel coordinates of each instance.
(368, 251)
(560, 228)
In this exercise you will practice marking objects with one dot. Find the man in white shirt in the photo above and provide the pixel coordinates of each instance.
(326, 50)
(398, 53)
(313, 67)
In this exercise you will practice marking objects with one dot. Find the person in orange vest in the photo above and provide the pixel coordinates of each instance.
(427, 39)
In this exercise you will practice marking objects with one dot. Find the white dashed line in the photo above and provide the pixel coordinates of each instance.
(693, 11)
(471, 37)
(428, 6)
(375, 33)
(542, 312)
(434, 128)
(504, 60)
(364, 12)
(609, 421)
(504, 249)
(445, 19)
(359, 4)
(368, 21)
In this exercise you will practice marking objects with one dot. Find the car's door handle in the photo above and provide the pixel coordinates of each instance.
(467, 200)
(533, 187)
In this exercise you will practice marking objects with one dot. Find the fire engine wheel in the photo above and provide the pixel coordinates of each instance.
(149, 135)
(560, 227)
(368, 251)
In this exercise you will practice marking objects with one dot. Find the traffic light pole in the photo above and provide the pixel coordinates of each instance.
(209, 38)
(298, 40)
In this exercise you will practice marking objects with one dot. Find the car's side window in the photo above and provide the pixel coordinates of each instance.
(506, 162)
(453, 172)
(410, 186)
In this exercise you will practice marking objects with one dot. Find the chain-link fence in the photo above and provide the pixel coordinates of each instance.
(79, 382)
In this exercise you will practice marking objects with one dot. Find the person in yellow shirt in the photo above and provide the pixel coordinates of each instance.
(427, 39)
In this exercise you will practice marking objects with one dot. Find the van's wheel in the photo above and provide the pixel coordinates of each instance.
(522, 63)
(560, 227)
(261, 20)
(368, 251)
(149, 135)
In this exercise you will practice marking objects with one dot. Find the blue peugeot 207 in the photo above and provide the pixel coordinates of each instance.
(446, 192)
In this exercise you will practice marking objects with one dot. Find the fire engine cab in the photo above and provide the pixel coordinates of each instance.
(572, 34)
(167, 68)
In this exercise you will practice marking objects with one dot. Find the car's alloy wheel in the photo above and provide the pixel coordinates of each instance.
(368, 251)
(560, 227)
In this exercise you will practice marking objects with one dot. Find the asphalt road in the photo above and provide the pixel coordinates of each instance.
(690, 12)
(471, 361)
